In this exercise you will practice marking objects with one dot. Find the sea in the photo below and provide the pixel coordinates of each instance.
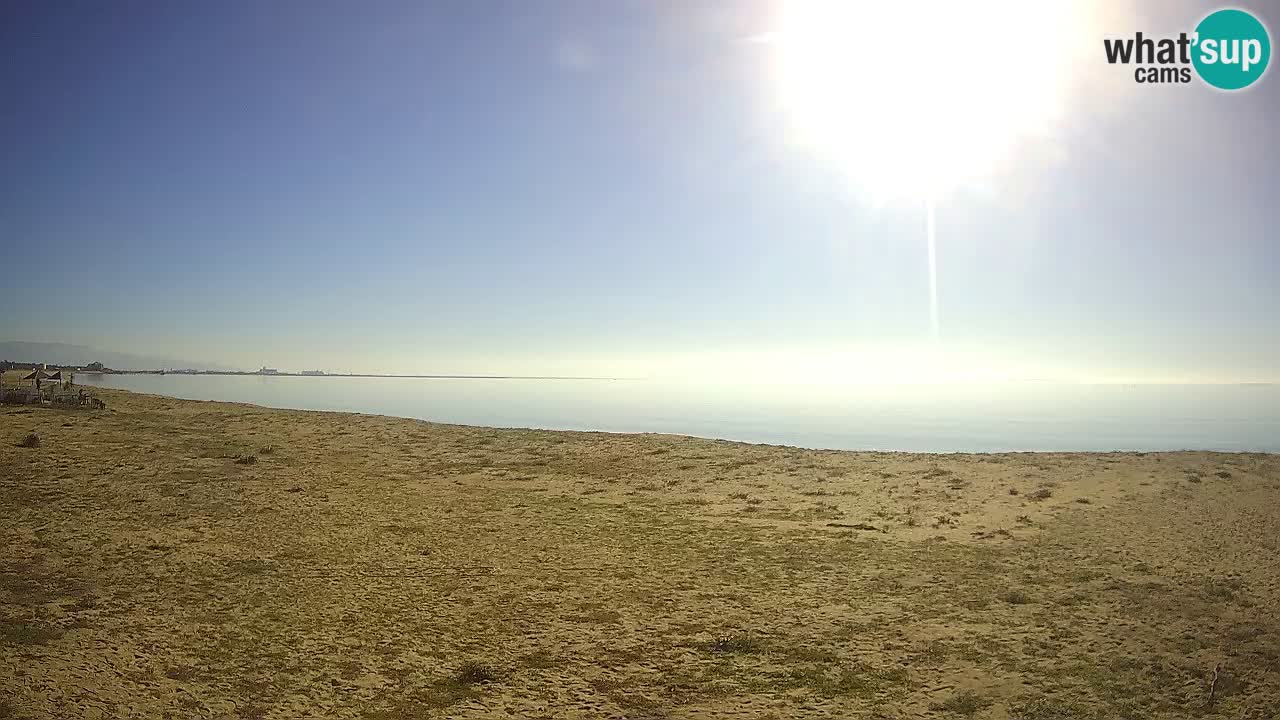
(1001, 417)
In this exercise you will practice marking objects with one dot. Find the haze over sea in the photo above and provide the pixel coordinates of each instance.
(996, 417)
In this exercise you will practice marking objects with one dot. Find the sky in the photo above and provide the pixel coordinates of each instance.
(604, 188)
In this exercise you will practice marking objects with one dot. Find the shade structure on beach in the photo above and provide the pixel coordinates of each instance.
(38, 374)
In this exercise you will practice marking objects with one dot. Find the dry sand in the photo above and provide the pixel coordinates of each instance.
(179, 559)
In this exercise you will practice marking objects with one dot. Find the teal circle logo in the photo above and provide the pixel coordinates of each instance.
(1232, 49)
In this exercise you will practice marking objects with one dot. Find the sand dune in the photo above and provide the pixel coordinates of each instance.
(181, 559)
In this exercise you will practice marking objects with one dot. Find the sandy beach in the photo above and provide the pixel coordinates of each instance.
(180, 559)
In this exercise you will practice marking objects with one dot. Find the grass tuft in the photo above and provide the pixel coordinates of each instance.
(459, 686)
(475, 673)
(1016, 597)
(737, 643)
(32, 440)
(21, 633)
(1044, 708)
(967, 703)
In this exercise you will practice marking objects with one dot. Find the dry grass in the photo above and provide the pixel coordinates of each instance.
(368, 567)
(966, 704)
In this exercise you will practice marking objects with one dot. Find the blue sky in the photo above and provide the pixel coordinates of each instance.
(592, 188)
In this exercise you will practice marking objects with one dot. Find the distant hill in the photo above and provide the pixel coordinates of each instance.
(67, 354)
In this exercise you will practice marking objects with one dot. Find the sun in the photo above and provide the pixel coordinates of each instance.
(918, 98)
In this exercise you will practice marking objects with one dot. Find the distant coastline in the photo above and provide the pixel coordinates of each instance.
(344, 375)
(101, 369)
(309, 374)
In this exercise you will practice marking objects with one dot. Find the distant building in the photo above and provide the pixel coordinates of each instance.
(312, 372)
(268, 371)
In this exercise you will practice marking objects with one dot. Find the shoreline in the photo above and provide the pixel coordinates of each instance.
(685, 436)
(764, 442)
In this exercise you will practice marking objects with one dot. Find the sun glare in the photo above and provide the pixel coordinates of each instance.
(917, 98)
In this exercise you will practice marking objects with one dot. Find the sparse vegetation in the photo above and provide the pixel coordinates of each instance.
(475, 673)
(1224, 589)
(380, 554)
(26, 633)
(181, 673)
(834, 682)
(1015, 597)
(741, 643)
(1042, 708)
(600, 616)
(539, 660)
(249, 459)
(31, 440)
(1043, 493)
(967, 703)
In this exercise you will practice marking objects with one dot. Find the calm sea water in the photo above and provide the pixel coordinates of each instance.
(988, 418)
